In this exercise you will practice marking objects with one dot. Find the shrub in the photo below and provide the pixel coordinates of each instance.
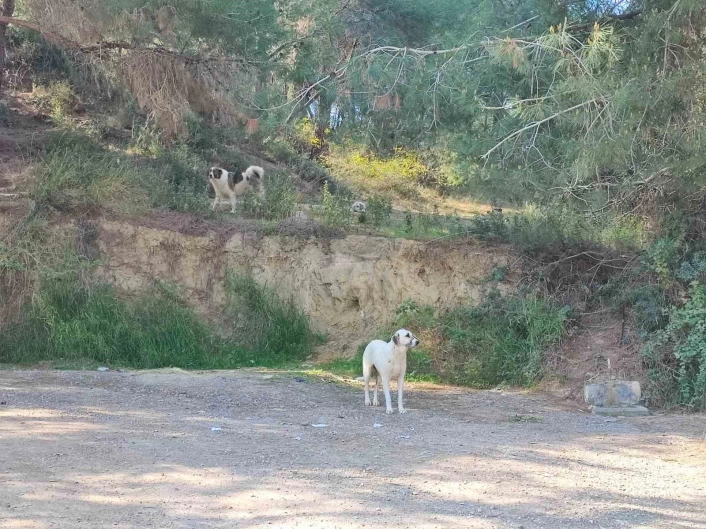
(538, 229)
(336, 208)
(502, 340)
(58, 98)
(31, 50)
(279, 200)
(308, 170)
(280, 195)
(676, 355)
(182, 175)
(380, 209)
(430, 222)
(266, 323)
(662, 256)
(75, 321)
(400, 173)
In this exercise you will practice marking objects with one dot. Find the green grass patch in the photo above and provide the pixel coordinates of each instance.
(419, 367)
(267, 322)
(72, 322)
(500, 342)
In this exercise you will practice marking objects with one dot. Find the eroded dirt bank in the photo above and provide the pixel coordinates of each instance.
(348, 286)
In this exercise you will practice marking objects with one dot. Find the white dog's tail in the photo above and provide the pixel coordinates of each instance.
(255, 170)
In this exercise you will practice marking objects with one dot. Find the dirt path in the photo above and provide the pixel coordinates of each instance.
(89, 449)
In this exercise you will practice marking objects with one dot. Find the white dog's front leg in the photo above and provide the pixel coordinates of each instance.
(232, 204)
(400, 389)
(215, 202)
(376, 402)
(386, 388)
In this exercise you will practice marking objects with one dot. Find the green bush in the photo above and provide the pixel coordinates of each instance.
(267, 323)
(58, 98)
(31, 50)
(181, 182)
(503, 340)
(73, 322)
(535, 230)
(279, 200)
(380, 209)
(676, 355)
(336, 208)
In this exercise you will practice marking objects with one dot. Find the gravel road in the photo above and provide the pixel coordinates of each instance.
(172, 449)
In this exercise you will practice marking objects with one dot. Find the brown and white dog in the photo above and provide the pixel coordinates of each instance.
(228, 185)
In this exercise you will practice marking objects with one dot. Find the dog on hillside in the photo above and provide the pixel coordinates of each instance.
(228, 185)
(359, 207)
(386, 361)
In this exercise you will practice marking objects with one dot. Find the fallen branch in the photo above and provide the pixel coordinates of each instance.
(48, 35)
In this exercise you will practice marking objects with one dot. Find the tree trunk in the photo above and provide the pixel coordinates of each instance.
(8, 9)
(323, 117)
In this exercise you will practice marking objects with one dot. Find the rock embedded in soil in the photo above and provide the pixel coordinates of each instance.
(613, 393)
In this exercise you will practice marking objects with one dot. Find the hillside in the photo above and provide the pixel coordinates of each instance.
(533, 176)
(348, 278)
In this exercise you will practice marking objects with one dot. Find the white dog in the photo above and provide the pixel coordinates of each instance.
(359, 207)
(388, 360)
(228, 185)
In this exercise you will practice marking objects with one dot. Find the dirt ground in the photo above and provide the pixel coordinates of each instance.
(239, 449)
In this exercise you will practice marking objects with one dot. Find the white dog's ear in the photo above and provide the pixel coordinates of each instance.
(395, 339)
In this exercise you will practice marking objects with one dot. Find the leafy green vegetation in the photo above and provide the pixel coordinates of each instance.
(676, 355)
(268, 322)
(501, 341)
(75, 322)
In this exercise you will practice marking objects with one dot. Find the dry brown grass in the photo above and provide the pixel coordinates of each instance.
(164, 88)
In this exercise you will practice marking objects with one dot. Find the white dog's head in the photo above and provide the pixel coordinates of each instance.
(404, 338)
(359, 207)
(215, 172)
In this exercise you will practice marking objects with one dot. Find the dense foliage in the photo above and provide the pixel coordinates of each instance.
(596, 102)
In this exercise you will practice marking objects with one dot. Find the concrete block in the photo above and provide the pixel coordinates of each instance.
(613, 393)
(620, 411)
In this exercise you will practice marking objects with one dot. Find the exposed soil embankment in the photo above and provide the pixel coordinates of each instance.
(348, 286)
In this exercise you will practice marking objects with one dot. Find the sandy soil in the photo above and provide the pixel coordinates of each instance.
(90, 449)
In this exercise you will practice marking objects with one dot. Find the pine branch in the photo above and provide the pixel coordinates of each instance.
(62, 42)
(536, 124)
(602, 20)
